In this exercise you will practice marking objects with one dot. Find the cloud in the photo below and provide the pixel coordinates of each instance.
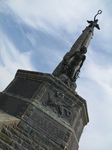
(5, 77)
(95, 85)
(66, 15)
(11, 60)
(97, 72)
(60, 22)
(61, 14)
(95, 140)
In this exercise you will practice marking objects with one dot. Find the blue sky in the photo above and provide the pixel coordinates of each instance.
(35, 35)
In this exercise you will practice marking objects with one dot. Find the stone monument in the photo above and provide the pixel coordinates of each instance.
(41, 111)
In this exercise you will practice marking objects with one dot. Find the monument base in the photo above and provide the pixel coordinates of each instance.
(52, 116)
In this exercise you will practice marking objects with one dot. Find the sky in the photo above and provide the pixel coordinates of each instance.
(35, 35)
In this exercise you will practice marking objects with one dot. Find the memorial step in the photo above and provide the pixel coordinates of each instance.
(19, 140)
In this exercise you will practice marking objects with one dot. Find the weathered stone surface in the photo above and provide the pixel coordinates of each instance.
(23, 87)
(13, 105)
(6, 119)
(51, 115)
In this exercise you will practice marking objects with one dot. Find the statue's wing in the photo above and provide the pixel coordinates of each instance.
(97, 26)
(90, 21)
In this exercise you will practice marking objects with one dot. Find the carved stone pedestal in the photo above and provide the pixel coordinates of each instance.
(50, 112)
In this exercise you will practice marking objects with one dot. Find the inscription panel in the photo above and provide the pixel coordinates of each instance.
(48, 126)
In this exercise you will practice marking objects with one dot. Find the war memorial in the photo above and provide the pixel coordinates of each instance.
(41, 111)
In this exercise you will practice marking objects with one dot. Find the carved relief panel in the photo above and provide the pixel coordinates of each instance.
(57, 102)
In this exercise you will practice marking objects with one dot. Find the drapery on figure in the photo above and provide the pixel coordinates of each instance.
(73, 64)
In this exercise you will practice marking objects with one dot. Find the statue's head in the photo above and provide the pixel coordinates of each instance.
(96, 20)
(83, 50)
